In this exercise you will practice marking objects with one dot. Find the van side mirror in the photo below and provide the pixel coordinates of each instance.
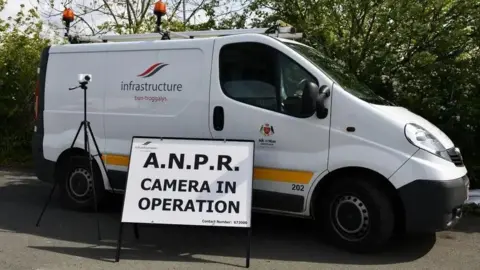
(313, 99)
(309, 98)
(324, 93)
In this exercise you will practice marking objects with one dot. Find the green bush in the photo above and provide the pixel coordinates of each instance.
(20, 47)
(422, 55)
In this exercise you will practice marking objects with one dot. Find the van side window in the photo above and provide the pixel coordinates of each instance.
(261, 76)
(247, 74)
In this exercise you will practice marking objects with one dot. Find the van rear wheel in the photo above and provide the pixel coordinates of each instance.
(77, 184)
(356, 215)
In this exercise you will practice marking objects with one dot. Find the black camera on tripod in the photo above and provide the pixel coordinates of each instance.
(84, 78)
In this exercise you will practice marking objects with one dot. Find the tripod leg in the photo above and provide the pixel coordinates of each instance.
(99, 153)
(87, 145)
(76, 135)
(47, 202)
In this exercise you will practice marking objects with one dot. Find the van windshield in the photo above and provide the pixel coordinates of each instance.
(339, 74)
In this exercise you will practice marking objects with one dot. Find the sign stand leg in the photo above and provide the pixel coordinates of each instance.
(135, 230)
(119, 243)
(223, 161)
(249, 243)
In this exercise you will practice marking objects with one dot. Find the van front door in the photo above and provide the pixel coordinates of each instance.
(256, 94)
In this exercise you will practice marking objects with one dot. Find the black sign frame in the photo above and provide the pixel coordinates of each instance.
(136, 231)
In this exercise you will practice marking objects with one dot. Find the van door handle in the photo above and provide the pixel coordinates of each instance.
(218, 118)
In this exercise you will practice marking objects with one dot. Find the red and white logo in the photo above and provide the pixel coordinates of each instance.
(267, 130)
(152, 70)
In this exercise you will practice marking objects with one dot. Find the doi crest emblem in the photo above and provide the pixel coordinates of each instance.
(267, 130)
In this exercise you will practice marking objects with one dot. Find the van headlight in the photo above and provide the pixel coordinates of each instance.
(423, 139)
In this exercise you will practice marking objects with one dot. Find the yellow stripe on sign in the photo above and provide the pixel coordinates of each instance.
(276, 175)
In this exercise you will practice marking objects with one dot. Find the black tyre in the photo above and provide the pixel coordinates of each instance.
(356, 215)
(77, 184)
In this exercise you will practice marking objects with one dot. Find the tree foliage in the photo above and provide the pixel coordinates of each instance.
(20, 43)
(136, 16)
(421, 54)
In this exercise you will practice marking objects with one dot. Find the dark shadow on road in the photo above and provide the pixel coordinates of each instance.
(470, 224)
(273, 238)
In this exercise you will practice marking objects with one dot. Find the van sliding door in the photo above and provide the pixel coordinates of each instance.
(256, 94)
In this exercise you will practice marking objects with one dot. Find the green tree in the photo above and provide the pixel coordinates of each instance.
(21, 42)
(423, 55)
(136, 16)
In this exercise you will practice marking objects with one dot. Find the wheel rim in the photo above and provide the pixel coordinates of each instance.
(80, 184)
(350, 217)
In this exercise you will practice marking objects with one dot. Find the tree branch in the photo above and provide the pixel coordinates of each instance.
(111, 12)
(199, 7)
(88, 25)
(129, 15)
(143, 11)
(366, 43)
(175, 9)
(132, 10)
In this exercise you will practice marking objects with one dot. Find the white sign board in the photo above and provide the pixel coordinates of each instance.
(189, 182)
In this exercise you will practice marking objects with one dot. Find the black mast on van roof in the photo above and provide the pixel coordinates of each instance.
(160, 10)
(68, 17)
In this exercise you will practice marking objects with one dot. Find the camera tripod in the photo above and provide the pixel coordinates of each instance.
(85, 124)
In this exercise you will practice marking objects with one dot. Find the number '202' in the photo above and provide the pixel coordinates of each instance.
(297, 187)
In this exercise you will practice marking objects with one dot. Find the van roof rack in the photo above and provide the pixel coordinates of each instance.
(279, 29)
(284, 32)
(287, 32)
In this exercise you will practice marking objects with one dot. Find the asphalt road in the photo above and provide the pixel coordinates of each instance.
(68, 240)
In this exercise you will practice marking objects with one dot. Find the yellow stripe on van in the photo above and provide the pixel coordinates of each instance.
(277, 175)
(116, 160)
(268, 174)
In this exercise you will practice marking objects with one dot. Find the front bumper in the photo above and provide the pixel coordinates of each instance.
(432, 190)
(432, 206)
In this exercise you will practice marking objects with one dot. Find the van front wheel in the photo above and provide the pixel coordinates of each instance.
(356, 215)
(77, 184)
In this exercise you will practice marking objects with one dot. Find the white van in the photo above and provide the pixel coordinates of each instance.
(327, 147)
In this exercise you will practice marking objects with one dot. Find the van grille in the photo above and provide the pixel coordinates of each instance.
(455, 156)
